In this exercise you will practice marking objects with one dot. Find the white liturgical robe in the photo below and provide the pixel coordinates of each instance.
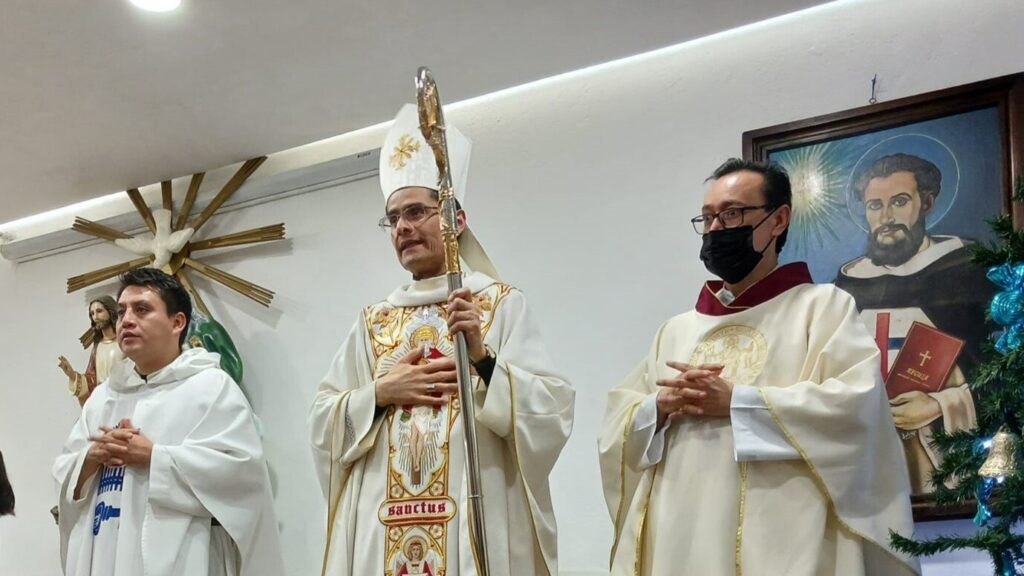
(395, 479)
(806, 477)
(207, 468)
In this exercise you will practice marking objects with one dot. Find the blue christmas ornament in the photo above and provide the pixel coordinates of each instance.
(983, 490)
(1007, 307)
(1013, 563)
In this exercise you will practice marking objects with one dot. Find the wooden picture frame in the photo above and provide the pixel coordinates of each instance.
(898, 252)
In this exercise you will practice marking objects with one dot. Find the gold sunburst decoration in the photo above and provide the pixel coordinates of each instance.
(171, 244)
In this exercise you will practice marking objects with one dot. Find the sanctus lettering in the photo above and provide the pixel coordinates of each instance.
(400, 513)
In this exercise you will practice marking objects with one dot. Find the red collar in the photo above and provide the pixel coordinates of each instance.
(778, 281)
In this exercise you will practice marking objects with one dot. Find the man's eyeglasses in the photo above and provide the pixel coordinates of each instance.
(730, 218)
(414, 214)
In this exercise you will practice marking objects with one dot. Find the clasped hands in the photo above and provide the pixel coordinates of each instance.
(698, 390)
(121, 446)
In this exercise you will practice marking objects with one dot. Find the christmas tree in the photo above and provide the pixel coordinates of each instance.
(982, 463)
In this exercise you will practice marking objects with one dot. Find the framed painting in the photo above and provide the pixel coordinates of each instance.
(887, 200)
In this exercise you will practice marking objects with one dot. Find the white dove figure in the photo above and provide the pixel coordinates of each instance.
(163, 245)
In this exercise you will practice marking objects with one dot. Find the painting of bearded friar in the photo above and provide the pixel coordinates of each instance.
(889, 203)
(909, 276)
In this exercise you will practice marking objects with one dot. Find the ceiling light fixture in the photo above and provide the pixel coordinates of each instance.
(157, 5)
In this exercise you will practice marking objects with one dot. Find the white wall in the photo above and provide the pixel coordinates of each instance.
(579, 189)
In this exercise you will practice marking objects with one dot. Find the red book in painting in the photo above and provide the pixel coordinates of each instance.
(924, 362)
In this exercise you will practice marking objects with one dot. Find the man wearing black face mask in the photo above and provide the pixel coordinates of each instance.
(756, 435)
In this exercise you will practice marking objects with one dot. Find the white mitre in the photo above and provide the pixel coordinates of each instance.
(406, 160)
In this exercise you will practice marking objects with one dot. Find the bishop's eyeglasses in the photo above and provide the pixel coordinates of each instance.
(414, 214)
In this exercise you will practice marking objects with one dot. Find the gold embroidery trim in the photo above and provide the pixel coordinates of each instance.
(439, 476)
(626, 430)
(740, 518)
(393, 322)
(489, 307)
(526, 488)
(638, 561)
(332, 511)
(394, 319)
(470, 522)
(638, 565)
(821, 482)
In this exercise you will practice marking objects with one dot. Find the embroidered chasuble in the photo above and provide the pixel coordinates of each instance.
(709, 506)
(395, 478)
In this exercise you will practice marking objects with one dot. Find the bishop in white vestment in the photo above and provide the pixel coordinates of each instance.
(390, 449)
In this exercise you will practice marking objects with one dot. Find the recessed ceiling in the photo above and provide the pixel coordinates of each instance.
(98, 97)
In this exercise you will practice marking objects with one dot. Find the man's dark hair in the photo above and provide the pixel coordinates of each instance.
(927, 175)
(6, 493)
(174, 295)
(434, 194)
(110, 305)
(777, 189)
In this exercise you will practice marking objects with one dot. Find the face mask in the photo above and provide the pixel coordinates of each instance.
(729, 253)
